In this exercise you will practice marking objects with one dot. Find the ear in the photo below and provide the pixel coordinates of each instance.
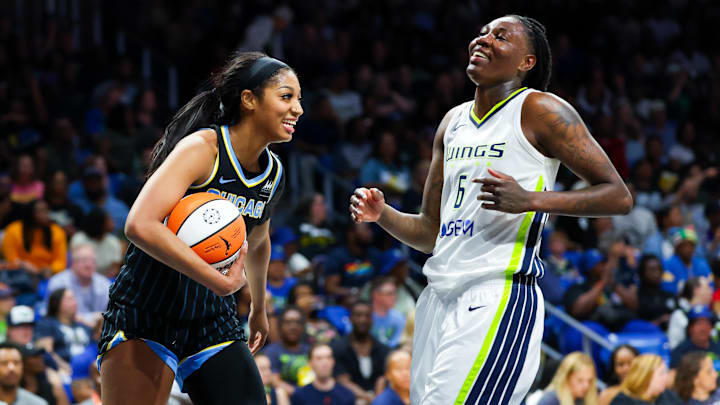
(527, 63)
(248, 100)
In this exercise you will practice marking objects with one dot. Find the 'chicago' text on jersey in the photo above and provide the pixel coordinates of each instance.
(251, 208)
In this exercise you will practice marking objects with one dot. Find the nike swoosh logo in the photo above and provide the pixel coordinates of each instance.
(471, 308)
(223, 181)
(455, 128)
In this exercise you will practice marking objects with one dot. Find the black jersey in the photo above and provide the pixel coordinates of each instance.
(150, 286)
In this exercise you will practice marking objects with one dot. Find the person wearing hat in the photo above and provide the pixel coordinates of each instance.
(21, 323)
(601, 298)
(684, 263)
(699, 329)
(279, 282)
(7, 301)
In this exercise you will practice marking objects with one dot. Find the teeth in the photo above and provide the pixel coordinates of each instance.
(479, 55)
(291, 123)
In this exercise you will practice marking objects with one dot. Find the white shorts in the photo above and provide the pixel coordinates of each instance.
(481, 348)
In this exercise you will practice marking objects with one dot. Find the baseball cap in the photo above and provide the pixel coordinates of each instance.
(681, 234)
(390, 259)
(21, 315)
(700, 311)
(590, 259)
(277, 252)
(283, 236)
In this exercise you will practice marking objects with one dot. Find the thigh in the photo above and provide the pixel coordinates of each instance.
(228, 377)
(131, 373)
(429, 315)
(490, 347)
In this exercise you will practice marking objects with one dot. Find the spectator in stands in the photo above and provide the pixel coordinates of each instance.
(89, 288)
(299, 265)
(637, 226)
(711, 239)
(84, 393)
(654, 303)
(8, 209)
(324, 389)
(35, 243)
(25, 187)
(696, 379)
(620, 361)
(317, 330)
(698, 335)
(315, 233)
(385, 171)
(279, 282)
(346, 102)
(274, 395)
(397, 373)
(267, 33)
(360, 358)
(7, 302)
(684, 264)
(355, 149)
(575, 382)
(600, 298)
(394, 264)
(388, 324)
(289, 356)
(97, 232)
(645, 381)
(412, 198)
(41, 380)
(560, 272)
(659, 244)
(64, 334)
(353, 264)
(97, 196)
(11, 372)
(21, 324)
(695, 292)
(406, 340)
(62, 211)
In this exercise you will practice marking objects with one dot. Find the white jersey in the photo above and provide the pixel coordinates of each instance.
(474, 242)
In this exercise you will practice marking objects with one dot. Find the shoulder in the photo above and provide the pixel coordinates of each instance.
(440, 134)
(13, 227)
(27, 397)
(343, 390)
(55, 229)
(201, 141)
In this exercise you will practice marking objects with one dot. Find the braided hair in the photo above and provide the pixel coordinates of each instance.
(539, 76)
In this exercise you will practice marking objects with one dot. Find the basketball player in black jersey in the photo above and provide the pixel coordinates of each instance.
(170, 314)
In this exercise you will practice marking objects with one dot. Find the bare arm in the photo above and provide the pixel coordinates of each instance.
(256, 264)
(561, 133)
(188, 163)
(360, 393)
(587, 302)
(416, 230)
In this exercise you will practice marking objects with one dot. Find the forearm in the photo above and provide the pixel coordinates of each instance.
(256, 265)
(415, 230)
(628, 297)
(595, 201)
(159, 242)
(349, 384)
(585, 303)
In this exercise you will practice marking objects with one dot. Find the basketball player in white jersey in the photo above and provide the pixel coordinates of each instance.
(479, 324)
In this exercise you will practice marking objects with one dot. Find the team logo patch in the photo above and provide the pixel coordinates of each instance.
(211, 216)
(266, 189)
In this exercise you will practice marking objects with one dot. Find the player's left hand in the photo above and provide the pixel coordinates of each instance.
(503, 193)
(259, 328)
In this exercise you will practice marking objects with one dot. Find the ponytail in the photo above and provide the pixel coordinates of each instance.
(219, 105)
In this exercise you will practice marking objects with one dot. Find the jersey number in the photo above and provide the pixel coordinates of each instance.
(461, 191)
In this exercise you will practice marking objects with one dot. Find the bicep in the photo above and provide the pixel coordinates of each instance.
(563, 135)
(188, 163)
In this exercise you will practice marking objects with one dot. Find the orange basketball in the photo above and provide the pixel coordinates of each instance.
(211, 225)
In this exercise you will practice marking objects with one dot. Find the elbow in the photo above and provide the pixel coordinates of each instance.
(626, 203)
(133, 230)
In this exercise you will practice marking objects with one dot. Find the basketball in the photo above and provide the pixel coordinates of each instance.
(211, 225)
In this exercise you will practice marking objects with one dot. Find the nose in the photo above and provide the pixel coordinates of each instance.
(297, 108)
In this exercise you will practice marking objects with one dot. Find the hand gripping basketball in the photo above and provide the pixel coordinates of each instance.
(236, 273)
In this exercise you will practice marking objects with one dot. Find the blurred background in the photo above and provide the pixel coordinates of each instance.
(87, 86)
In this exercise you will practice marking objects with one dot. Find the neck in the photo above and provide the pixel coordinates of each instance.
(356, 248)
(64, 319)
(246, 145)
(324, 383)
(687, 261)
(85, 282)
(360, 338)
(8, 394)
(291, 345)
(403, 394)
(487, 97)
(700, 394)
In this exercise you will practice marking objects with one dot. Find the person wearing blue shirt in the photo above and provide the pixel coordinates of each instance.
(278, 282)
(683, 264)
(398, 376)
(324, 389)
(700, 323)
(388, 324)
(353, 264)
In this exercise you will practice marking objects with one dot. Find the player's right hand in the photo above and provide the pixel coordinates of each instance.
(366, 205)
(235, 276)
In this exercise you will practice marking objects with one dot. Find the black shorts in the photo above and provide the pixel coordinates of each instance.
(184, 345)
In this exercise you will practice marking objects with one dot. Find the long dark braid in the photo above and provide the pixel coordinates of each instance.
(539, 76)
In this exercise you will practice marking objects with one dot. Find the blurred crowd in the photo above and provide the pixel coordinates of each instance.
(78, 122)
